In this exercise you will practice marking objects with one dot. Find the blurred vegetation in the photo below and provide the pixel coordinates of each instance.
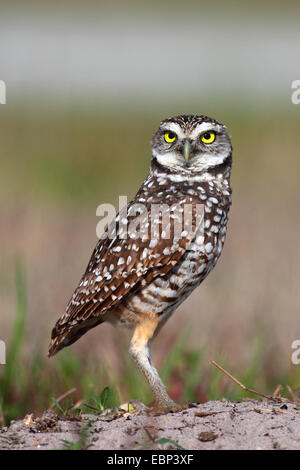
(81, 158)
(28, 384)
(75, 156)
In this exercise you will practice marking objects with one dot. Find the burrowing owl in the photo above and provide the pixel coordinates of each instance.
(137, 278)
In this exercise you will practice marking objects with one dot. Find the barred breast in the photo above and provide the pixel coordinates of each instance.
(164, 294)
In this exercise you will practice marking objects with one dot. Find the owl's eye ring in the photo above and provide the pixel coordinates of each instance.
(208, 137)
(170, 137)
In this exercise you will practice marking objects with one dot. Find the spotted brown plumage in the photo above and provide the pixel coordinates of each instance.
(138, 280)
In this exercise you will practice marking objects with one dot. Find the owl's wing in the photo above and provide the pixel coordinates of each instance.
(119, 266)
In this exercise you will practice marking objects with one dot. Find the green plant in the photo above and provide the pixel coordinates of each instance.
(66, 408)
(100, 402)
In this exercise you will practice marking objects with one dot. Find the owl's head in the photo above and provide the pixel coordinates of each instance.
(191, 144)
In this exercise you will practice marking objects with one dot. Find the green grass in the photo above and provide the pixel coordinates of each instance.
(30, 384)
(11, 372)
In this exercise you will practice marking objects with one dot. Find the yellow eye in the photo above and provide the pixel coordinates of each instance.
(208, 137)
(170, 137)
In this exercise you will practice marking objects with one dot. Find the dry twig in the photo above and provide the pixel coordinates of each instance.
(293, 395)
(64, 395)
(250, 390)
(277, 390)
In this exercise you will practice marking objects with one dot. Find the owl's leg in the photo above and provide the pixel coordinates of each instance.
(140, 351)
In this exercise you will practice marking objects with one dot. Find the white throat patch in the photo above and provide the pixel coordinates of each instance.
(203, 162)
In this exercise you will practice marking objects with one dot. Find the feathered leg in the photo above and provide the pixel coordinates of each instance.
(140, 351)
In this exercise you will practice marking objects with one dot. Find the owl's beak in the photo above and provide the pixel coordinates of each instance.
(186, 150)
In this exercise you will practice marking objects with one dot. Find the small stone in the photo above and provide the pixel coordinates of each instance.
(207, 436)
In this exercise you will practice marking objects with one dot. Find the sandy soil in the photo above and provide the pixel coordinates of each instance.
(213, 425)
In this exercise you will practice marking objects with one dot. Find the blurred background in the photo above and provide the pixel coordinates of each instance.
(87, 85)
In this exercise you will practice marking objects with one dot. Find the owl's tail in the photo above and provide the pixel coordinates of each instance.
(64, 335)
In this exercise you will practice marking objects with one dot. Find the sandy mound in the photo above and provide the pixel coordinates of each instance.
(213, 425)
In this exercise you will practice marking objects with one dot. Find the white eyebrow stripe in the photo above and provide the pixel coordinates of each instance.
(174, 127)
(200, 128)
(203, 127)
